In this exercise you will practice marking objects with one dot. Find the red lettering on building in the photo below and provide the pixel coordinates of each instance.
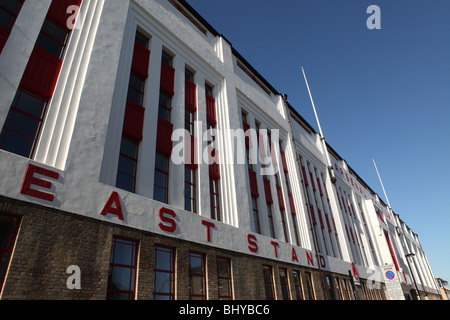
(208, 225)
(30, 179)
(275, 245)
(114, 199)
(294, 255)
(253, 246)
(171, 225)
(309, 258)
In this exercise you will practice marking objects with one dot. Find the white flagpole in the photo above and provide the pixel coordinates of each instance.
(381, 183)
(330, 167)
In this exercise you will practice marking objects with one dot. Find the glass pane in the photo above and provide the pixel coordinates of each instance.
(54, 31)
(195, 264)
(126, 165)
(125, 182)
(23, 124)
(16, 143)
(49, 45)
(134, 96)
(162, 282)
(222, 268)
(159, 194)
(121, 279)
(196, 285)
(128, 147)
(224, 287)
(136, 83)
(163, 259)
(187, 204)
(162, 297)
(29, 104)
(123, 253)
(161, 163)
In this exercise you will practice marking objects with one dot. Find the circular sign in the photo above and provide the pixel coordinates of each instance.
(390, 275)
(355, 271)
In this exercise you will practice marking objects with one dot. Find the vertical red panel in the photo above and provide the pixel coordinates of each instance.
(326, 191)
(268, 191)
(305, 178)
(214, 168)
(328, 222)
(253, 183)
(190, 96)
(58, 10)
(312, 181)
(133, 124)
(191, 148)
(313, 216)
(320, 187)
(41, 73)
(246, 127)
(292, 204)
(141, 60)
(283, 159)
(164, 137)
(211, 110)
(280, 198)
(319, 213)
(391, 249)
(167, 78)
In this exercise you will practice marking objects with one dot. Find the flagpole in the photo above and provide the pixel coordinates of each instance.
(330, 167)
(379, 177)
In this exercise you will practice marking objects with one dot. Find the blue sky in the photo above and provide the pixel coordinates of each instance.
(380, 94)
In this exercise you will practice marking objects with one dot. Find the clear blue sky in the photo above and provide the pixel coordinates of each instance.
(382, 94)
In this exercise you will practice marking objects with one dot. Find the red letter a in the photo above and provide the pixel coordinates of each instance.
(108, 208)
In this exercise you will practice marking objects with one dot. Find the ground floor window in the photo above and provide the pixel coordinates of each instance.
(122, 269)
(9, 226)
(224, 278)
(197, 276)
(268, 282)
(164, 274)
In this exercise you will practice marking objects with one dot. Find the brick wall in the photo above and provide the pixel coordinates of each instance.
(50, 240)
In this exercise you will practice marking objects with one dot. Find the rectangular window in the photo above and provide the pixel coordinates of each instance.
(284, 282)
(268, 282)
(53, 38)
(122, 269)
(136, 89)
(9, 10)
(330, 288)
(297, 284)
(197, 276)
(9, 226)
(255, 213)
(189, 119)
(23, 123)
(126, 173)
(224, 278)
(270, 215)
(164, 274)
(161, 184)
(344, 290)
(309, 294)
(165, 106)
(214, 199)
(190, 189)
(338, 289)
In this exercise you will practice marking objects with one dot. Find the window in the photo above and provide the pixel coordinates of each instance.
(224, 278)
(164, 274)
(338, 289)
(190, 189)
(136, 89)
(284, 284)
(197, 285)
(53, 38)
(268, 282)
(255, 212)
(167, 58)
(23, 123)
(297, 284)
(330, 288)
(161, 185)
(270, 215)
(215, 200)
(142, 39)
(122, 269)
(9, 226)
(309, 294)
(9, 10)
(165, 106)
(126, 173)
(189, 119)
(344, 290)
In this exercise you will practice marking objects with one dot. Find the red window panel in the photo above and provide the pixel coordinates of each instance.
(305, 178)
(58, 10)
(311, 212)
(312, 181)
(346, 230)
(268, 191)
(164, 137)
(283, 159)
(343, 203)
(280, 198)
(320, 187)
(167, 78)
(326, 191)
(291, 203)
(190, 96)
(4, 35)
(214, 167)
(211, 110)
(253, 183)
(133, 124)
(391, 250)
(141, 59)
(191, 148)
(246, 127)
(328, 222)
(41, 73)
(319, 213)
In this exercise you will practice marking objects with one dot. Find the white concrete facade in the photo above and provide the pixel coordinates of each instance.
(81, 137)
